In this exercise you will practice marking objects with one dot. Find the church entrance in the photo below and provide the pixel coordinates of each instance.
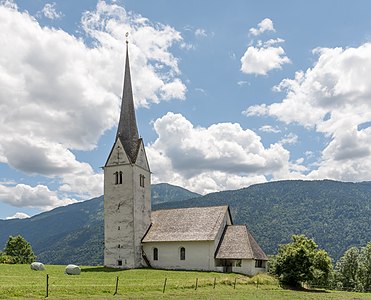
(227, 265)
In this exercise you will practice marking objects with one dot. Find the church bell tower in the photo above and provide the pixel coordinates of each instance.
(127, 188)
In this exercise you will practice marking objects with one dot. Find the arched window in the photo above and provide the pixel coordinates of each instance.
(141, 180)
(118, 177)
(155, 254)
(182, 253)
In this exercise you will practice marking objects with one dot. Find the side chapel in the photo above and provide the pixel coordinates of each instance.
(196, 238)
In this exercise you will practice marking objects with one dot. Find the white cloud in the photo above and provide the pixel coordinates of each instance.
(40, 196)
(222, 156)
(243, 82)
(18, 215)
(58, 94)
(290, 138)
(256, 110)
(333, 98)
(269, 128)
(187, 46)
(50, 12)
(201, 90)
(264, 25)
(261, 60)
(264, 56)
(272, 42)
(200, 32)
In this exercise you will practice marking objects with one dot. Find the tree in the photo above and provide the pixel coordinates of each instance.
(300, 261)
(20, 250)
(364, 267)
(323, 269)
(346, 270)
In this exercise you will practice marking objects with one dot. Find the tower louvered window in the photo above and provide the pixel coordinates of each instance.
(118, 177)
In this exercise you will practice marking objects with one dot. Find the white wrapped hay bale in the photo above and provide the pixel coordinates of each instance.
(72, 270)
(37, 266)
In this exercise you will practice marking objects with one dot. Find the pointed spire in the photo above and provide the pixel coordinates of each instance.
(127, 129)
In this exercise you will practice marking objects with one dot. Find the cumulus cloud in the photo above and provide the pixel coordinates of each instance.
(333, 98)
(263, 57)
(264, 25)
(22, 195)
(18, 215)
(261, 60)
(222, 156)
(59, 94)
(49, 11)
(256, 110)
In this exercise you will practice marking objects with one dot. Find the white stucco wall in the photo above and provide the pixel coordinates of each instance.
(248, 268)
(126, 209)
(198, 256)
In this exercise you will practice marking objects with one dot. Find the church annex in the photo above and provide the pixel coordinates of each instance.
(197, 238)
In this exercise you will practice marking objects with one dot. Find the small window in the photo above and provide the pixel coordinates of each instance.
(238, 262)
(141, 180)
(119, 262)
(118, 177)
(118, 228)
(182, 253)
(119, 246)
(155, 254)
(259, 264)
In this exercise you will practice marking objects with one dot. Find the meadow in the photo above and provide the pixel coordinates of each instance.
(20, 282)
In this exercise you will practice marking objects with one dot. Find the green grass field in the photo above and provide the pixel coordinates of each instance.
(19, 281)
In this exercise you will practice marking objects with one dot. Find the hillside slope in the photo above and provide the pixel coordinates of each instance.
(336, 214)
(74, 233)
(164, 192)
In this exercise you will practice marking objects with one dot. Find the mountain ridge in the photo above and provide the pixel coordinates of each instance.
(334, 213)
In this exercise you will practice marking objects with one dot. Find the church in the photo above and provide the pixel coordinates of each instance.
(196, 238)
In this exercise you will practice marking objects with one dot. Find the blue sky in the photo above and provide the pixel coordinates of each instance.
(228, 94)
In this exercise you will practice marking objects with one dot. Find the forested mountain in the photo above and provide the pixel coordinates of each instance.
(74, 233)
(335, 214)
(164, 192)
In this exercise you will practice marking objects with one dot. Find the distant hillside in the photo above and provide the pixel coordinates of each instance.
(74, 233)
(335, 214)
(164, 192)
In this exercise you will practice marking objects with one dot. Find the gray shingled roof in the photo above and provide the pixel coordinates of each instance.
(186, 224)
(238, 243)
(127, 129)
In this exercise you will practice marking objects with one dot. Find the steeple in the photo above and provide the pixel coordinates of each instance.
(127, 129)
(127, 189)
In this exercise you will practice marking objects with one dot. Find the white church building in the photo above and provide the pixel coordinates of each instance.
(197, 238)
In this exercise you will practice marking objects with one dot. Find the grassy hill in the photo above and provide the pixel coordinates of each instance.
(335, 214)
(20, 282)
